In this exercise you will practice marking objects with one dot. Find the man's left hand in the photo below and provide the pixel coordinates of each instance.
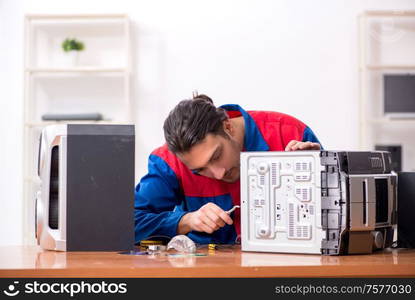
(297, 145)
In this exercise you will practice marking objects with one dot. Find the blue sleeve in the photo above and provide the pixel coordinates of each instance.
(309, 136)
(156, 196)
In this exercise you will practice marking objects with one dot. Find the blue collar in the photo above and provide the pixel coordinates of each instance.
(253, 140)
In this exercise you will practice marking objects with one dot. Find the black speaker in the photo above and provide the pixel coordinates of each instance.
(396, 155)
(86, 199)
(406, 210)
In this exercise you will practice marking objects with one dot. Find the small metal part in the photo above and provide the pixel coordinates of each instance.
(155, 248)
(212, 246)
(150, 242)
(144, 244)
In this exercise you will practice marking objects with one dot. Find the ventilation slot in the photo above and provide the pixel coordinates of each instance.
(305, 231)
(291, 220)
(364, 203)
(303, 194)
(302, 176)
(274, 173)
(302, 166)
(36, 218)
(54, 189)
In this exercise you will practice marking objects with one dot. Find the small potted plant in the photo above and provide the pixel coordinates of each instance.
(72, 47)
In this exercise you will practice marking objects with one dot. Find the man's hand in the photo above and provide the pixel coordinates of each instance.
(208, 218)
(297, 145)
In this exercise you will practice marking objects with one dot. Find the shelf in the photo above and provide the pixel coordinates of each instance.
(97, 79)
(123, 71)
(391, 67)
(79, 21)
(45, 123)
(62, 17)
(393, 121)
(105, 37)
(389, 13)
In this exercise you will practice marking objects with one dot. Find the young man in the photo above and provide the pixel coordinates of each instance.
(194, 178)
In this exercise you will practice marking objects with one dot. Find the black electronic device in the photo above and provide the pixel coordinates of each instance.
(399, 95)
(86, 198)
(406, 209)
(396, 155)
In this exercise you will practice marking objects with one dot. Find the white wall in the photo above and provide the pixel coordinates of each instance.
(298, 57)
(11, 122)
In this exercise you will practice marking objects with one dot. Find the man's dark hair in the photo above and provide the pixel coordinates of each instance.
(190, 121)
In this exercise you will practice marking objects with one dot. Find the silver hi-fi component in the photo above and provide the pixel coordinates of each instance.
(328, 202)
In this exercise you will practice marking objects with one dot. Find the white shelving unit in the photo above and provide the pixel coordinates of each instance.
(98, 81)
(386, 46)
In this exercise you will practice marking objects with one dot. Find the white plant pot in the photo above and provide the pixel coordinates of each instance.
(70, 58)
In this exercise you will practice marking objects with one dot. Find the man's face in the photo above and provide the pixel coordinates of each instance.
(215, 157)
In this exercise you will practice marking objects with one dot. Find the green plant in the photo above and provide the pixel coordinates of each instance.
(72, 44)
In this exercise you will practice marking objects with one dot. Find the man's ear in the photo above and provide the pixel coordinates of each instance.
(228, 127)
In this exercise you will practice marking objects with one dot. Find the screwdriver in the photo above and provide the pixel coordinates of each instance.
(232, 209)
